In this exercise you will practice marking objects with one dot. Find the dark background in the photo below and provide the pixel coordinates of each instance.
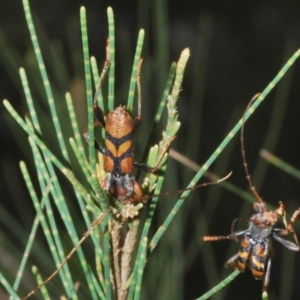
(237, 48)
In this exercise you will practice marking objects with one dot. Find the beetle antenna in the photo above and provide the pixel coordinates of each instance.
(248, 177)
(146, 197)
(103, 73)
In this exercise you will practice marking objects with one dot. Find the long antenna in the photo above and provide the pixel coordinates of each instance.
(248, 177)
(146, 197)
(103, 73)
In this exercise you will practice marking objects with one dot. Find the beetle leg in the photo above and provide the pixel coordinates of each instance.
(137, 188)
(236, 221)
(86, 132)
(100, 148)
(232, 261)
(277, 233)
(132, 186)
(148, 169)
(143, 167)
(289, 227)
(267, 275)
(98, 112)
(97, 146)
(106, 183)
(138, 192)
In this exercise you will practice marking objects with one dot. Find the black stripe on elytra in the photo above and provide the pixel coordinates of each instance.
(118, 141)
(117, 160)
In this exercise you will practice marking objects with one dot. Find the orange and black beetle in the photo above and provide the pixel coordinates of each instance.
(118, 152)
(255, 249)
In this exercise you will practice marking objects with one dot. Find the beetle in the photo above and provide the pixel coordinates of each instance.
(120, 128)
(256, 249)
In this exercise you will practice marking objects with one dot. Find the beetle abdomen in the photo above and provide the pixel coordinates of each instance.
(118, 141)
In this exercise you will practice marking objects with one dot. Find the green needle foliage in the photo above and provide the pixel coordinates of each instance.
(279, 163)
(220, 285)
(69, 164)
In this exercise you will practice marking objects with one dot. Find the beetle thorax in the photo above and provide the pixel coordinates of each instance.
(258, 232)
(120, 187)
(261, 224)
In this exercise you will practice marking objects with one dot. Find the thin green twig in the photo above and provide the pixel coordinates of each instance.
(45, 78)
(111, 77)
(279, 163)
(7, 286)
(137, 58)
(221, 285)
(224, 143)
